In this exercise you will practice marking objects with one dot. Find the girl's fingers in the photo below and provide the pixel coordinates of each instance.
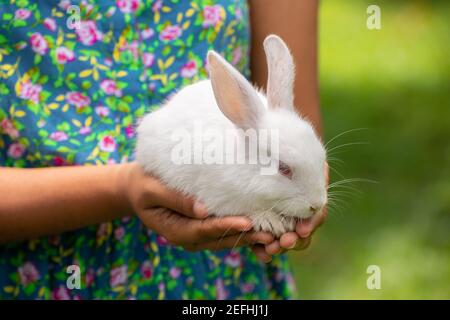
(305, 227)
(302, 244)
(214, 228)
(273, 248)
(289, 240)
(198, 232)
(261, 254)
(239, 240)
(184, 231)
(180, 203)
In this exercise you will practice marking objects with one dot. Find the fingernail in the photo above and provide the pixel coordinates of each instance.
(306, 235)
(293, 245)
(200, 209)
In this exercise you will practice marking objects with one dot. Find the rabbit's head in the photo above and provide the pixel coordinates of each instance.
(297, 188)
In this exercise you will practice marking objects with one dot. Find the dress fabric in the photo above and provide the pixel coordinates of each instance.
(74, 78)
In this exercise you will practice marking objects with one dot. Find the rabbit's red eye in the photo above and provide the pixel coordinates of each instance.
(285, 170)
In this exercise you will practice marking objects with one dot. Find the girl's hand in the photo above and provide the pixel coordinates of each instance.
(181, 220)
(298, 240)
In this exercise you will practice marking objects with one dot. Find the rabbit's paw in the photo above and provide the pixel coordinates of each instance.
(273, 223)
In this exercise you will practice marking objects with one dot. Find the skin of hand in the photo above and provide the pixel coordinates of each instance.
(184, 222)
(44, 201)
(298, 240)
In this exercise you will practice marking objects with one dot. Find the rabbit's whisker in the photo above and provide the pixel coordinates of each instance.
(343, 133)
(346, 145)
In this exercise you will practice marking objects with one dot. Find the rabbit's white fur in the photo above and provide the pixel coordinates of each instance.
(227, 102)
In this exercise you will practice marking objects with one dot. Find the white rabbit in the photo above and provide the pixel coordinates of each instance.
(228, 102)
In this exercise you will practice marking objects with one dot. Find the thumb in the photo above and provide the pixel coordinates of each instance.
(182, 204)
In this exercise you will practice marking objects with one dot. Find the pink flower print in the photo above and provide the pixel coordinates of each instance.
(108, 62)
(64, 4)
(87, 33)
(133, 48)
(152, 86)
(107, 144)
(58, 136)
(237, 55)
(175, 272)
(233, 259)
(60, 293)
(30, 91)
(118, 276)
(110, 87)
(147, 269)
(16, 150)
(8, 127)
(89, 278)
(211, 15)
(119, 233)
(148, 59)
(102, 111)
(88, 7)
(220, 290)
(129, 131)
(128, 6)
(147, 33)
(22, 14)
(59, 161)
(189, 69)
(238, 13)
(247, 287)
(161, 241)
(64, 55)
(28, 273)
(78, 99)
(291, 282)
(38, 43)
(50, 24)
(279, 276)
(85, 130)
(157, 5)
(170, 33)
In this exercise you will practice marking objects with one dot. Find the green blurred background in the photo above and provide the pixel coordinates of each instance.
(395, 82)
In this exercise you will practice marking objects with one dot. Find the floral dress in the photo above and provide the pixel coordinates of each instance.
(74, 78)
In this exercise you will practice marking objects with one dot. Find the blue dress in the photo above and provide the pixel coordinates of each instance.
(73, 81)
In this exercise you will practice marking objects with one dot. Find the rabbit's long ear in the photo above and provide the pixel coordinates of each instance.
(235, 96)
(281, 67)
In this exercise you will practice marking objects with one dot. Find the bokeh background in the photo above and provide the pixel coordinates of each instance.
(395, 83)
